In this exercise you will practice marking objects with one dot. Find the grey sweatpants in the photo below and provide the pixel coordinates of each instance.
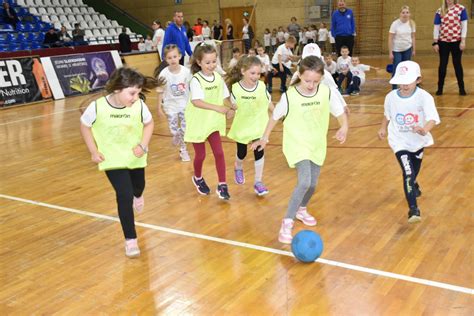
(308, 174)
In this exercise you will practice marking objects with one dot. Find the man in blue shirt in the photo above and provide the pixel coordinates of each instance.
(175, 33)
(343, 27)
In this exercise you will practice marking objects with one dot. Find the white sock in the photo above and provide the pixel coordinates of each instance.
(259, 169)
(239, 164)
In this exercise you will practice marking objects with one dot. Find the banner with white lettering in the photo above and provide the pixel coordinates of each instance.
(22, 80)
(83, 73)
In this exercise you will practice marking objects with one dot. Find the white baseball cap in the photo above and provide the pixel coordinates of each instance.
(407, 72)
(311, 49)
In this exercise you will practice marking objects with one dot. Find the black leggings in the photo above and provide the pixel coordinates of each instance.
(410, 162)
(444, 49)
(127, 183)
(242, 152)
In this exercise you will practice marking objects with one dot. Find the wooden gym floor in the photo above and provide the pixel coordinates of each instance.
(62, 248)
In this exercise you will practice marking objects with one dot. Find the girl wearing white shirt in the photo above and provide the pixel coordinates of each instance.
(206, 30)
(323, 34)
(410, 114)
(267, 40)
(401, 39)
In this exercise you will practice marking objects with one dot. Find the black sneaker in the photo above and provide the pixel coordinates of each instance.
(439, 92)
(462, 92)
(223, 191)
(201, 186)
(414, 215)
(417, 190)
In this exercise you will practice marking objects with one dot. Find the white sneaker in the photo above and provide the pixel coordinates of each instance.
(286, 229)
(131, 248)
(184, 156)
(303, 216)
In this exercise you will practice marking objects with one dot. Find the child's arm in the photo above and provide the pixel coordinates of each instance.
(86, 132)
(383, 128)
(424, 130)
(262, 142)
(140, 149)
(341, 133)
(390, 46)
(159, 102)
(271, 107)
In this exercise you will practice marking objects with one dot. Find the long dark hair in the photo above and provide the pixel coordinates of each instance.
(198, 54)
(311, 63)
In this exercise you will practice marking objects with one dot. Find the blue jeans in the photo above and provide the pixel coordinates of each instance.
(398, 57)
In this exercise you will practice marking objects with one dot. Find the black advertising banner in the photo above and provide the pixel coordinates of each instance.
(22, 80)
(83, 73)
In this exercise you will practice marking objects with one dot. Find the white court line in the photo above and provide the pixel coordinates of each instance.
(391, 275)
(39, 116)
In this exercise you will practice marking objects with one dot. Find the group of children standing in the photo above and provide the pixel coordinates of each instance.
(117, 128)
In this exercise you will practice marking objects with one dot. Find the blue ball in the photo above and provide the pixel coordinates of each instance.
(307, 246)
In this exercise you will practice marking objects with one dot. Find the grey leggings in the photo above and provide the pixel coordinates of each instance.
(308, 174)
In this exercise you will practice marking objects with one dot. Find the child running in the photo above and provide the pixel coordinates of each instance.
(306, 107)
(117, 129)
(251, 117)
(173, 97)
(206, 117)
(410, 114)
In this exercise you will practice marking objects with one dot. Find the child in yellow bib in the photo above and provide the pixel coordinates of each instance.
(251, 116)
(117, 129)
(205, 117)
(305, 107)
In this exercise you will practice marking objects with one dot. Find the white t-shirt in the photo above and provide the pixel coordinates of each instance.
(343, 64)
(148, 45)
(266, 39)
(265, 60)
(158, 36)
(286, 35)
(281, 109)
(273, 40)
(332, 40)
(323, 35)
(233, 62)
(281, 36)
(359, 71)
(245, 32)
(404, 113)
(206, 32)
(303, 38)
(401, 35)
(197, 93)
(90, 115)
(176, 89)
(332, 68)
(309, 35)
(141, 47)
(285, 55)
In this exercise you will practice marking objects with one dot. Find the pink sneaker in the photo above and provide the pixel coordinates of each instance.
(285, 231)
(303, 216)
(131, 248)
(138, 204)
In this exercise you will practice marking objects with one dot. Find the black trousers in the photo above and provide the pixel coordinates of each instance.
(242, 152)
(344, 41)
(410, 162)
(127, 183)
(445, 49)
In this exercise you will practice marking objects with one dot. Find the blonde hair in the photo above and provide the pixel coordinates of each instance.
(412, 23)
(444, 7)
(228, 21)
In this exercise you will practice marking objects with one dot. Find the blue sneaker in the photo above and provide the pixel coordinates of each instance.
(260, 188)
(223, 192)
(201, 186)
(239, 176)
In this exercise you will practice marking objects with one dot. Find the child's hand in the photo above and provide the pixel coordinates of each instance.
(233, 106)
(138, 151)
(341, 135)
(161, 113)
(347, 110)
(382, 133)
(259, 144)
(230, 114)
(97, 157)
(419, 130)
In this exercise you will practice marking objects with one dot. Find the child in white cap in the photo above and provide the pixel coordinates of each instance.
(410, 114)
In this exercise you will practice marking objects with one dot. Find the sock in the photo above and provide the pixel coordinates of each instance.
(259, 169)
(239, 163)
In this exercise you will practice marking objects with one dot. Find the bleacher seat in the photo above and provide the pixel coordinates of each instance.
(56, 3)
(54, 18)
(88, 34)
(33, 11)
(112, 32)
(84, 10)
(107, 23)
(90, 10)
(91, 25)
(63, 18)
(67, 10)
(95, 17)
(96, 32)
(79, 17)
(57, 25)
(115, 23)
(100, 24)
(51, 10)
(21, 3)
(42, 11)
(46, 18)
(71, 18)
(39, 3)
(83, 25)
(76, 10)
